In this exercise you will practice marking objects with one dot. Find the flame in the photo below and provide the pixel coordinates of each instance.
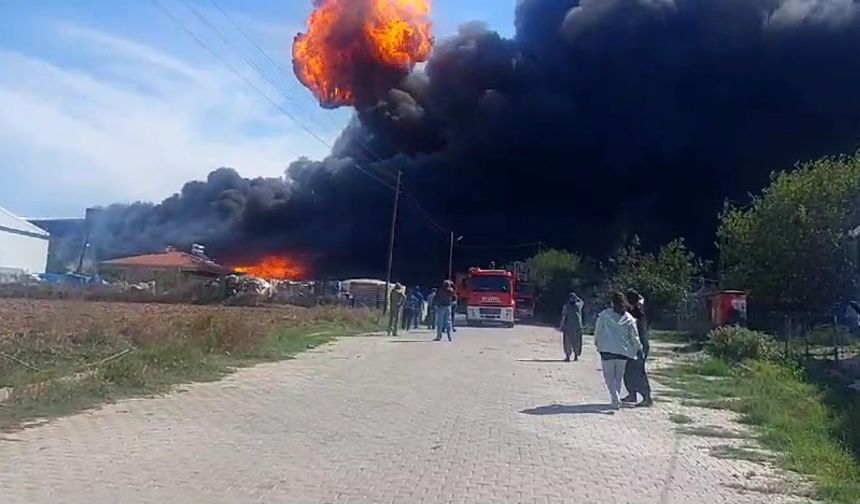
(276, 267)
(352, 45)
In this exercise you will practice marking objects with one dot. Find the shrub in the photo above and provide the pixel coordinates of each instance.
(736, 344)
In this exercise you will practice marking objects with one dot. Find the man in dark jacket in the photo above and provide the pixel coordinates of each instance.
(635, 376)
(395, 308)
(571, 327)
(443, 300)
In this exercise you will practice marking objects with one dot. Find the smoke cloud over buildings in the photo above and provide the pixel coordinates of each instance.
(598, 120)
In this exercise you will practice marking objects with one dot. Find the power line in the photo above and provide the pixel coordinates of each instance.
(257, 46)
(433, 224)
(413, 199)
(247, 81)
(224, 39)
(254, 43)
(508, 246)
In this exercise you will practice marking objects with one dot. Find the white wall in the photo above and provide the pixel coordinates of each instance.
(22, 252)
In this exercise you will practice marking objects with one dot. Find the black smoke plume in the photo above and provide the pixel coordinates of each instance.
(600, 119)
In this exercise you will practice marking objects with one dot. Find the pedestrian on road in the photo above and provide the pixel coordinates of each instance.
(571, 327)
(410, 309)
(635, 377)
(395, 307)
(617, 340)
(431, 310)
(443, 300)
(455, 299)
(421, 315)
(419, 311)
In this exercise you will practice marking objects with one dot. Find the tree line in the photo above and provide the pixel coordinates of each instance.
(791, 247)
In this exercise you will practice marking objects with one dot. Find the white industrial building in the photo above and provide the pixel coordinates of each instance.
(23, 246)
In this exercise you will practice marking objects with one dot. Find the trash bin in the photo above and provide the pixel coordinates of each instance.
(729, 308)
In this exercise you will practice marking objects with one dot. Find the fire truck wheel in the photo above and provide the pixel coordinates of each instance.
(509, 325)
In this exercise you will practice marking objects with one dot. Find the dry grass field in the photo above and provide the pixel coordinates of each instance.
(58, 356)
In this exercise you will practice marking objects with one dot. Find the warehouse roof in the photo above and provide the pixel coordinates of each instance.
(11, 223)
(171, 259)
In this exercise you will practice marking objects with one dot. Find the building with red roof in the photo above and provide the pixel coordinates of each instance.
(169, 269)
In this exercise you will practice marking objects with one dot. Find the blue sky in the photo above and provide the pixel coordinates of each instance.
(110, 100)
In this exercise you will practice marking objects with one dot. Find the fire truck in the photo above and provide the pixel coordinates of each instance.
(488, 295)
(525, 295)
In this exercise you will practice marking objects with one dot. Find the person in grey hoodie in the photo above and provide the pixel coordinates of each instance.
(617, 340)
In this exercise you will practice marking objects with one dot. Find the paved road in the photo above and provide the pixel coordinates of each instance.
(489, 418)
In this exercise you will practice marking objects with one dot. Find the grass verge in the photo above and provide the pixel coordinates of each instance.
(52, 377)
(789, 413)
(677, 337)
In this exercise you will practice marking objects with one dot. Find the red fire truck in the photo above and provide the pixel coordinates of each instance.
(489, 296)
(525, 295)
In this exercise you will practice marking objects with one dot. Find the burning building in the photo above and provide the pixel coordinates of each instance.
(274, 267)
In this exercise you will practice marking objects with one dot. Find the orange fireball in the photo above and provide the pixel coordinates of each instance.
(276, 267)
(355, 49)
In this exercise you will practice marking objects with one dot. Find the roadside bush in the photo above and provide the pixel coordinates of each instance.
(736, 344)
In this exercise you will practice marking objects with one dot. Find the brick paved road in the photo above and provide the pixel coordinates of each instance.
(486, 419)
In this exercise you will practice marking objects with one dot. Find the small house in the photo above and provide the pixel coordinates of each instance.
(169, 270)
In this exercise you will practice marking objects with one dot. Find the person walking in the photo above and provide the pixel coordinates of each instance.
(421, 314)
(395, 306)
(410, 307)
(617, 341)
(571, 327)
(418, 316)
(442, 301)
(635, 377)
(431, 310)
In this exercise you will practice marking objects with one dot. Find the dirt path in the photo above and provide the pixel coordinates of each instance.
(489, 418)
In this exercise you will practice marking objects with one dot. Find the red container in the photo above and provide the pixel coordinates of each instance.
(729, 308)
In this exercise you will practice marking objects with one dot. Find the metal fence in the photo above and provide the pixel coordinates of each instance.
(815, 335)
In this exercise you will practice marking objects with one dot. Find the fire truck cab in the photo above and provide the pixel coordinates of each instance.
(489, 296)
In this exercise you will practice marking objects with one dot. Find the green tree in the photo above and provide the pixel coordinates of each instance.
(663, 279)
(553, 273)
(790, 247)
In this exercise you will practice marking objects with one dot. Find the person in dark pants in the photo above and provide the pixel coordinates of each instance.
(410, 310)
(617, 340)
(419, 308)
(431, 310)
(442, 302)
(635, 376)
(571, 327)
(395, 307)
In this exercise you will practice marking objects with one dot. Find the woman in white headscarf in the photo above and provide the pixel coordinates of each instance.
(617, 340)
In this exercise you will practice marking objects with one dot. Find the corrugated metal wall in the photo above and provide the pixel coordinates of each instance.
(22, 252)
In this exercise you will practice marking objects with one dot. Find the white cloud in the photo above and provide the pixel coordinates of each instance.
(133, 122)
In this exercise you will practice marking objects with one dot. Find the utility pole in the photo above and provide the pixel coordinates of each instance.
(391, 243)
(86, 244)
(451, 256)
